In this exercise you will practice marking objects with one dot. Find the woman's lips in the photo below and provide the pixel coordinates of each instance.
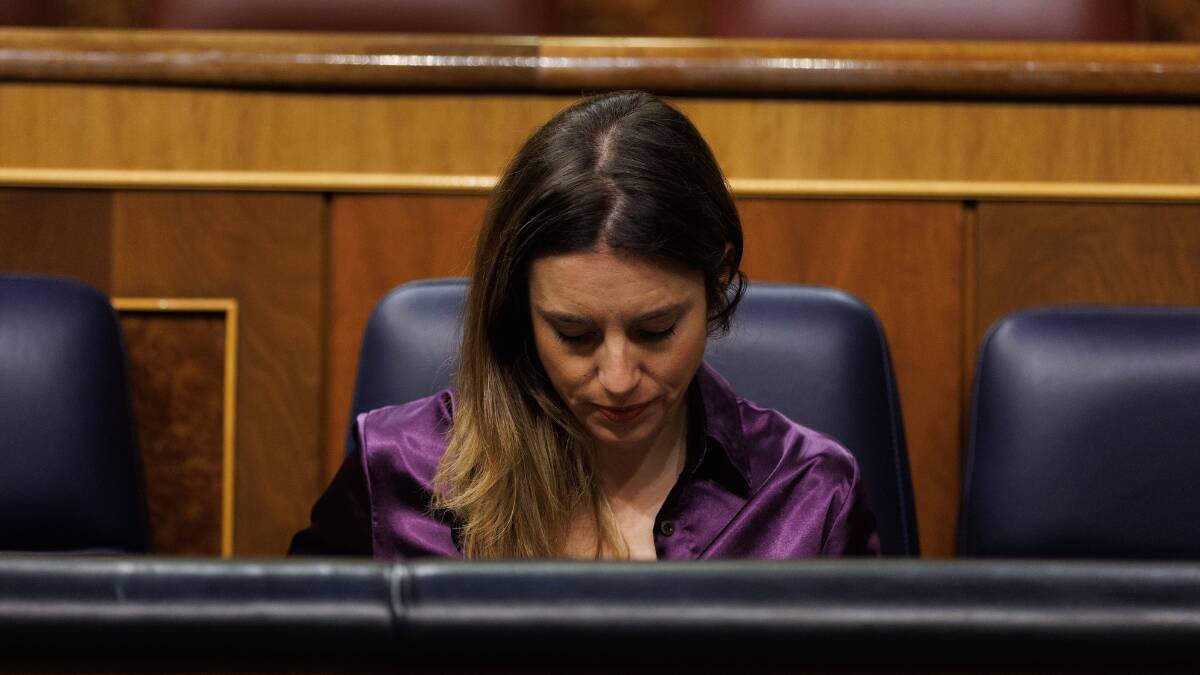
(623, 414)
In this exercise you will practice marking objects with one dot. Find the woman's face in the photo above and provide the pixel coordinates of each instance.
(620, 338)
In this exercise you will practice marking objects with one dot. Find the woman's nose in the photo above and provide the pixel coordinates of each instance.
(617, 370)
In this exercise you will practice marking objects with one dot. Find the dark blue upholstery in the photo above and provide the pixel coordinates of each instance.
(1085, 436)
(816, 354)
(69, 473)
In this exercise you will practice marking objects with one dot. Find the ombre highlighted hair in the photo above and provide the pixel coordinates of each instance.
(624, 171)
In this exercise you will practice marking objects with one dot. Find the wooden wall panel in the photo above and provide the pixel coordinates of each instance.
(177, 387)
(128, 127)
(905, 259)
(267, 251)
(1031, 254)
(61, 232)
(376, 243)
(110, 127)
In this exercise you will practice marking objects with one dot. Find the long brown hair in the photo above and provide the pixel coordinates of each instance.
(624, 170)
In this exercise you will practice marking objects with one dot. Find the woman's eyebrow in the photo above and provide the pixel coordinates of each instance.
(563, 318)
(663, 311)
(576, 320)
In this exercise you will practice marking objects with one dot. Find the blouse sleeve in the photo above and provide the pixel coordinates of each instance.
(852, 531)
(341, 518)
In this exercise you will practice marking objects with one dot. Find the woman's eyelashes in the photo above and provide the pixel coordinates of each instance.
(658, 335)
(587, 337)
(574, 340)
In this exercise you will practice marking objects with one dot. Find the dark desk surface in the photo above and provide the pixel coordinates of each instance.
(155, 614)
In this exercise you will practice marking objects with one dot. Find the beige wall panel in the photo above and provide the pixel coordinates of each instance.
(267, 251)
(376, 243)
(905, 260)
(116, 127)
(60, 232)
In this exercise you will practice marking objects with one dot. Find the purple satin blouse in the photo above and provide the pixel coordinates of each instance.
(755, 485)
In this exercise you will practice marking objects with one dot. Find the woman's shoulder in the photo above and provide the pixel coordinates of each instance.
(778, 441)
(799, 480)
(407, 441)
(765, 443)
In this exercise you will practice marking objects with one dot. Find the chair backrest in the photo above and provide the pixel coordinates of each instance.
(70, 479)
(816, 354)
(1085, 436)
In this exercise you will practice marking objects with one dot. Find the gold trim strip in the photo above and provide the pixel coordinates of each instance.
(228, 307)
(247, 180)
(224, 305)
(228, 486)
(480, 185)
(936, 189)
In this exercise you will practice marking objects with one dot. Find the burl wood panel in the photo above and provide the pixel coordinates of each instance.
(268, 252)
(1032, 254)
(176, 365)
(378, 242)
(905, 259)
(60, 232)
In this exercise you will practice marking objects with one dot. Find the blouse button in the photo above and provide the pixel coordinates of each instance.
(666, 528)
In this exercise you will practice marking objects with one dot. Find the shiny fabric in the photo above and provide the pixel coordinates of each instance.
(755, 485)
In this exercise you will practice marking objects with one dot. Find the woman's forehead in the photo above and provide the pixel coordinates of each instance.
(603, 283)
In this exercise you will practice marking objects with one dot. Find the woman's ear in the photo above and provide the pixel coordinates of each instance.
(726, 268)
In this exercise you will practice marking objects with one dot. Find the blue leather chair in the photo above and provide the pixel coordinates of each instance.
(70, 479)
(1085, 436)
(816, 354)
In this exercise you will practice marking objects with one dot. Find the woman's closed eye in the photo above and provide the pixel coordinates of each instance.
(657, 335)
(586, 337)
(575, 339)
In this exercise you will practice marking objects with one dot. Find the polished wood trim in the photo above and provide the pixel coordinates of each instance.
(304, 181)
(230, 427)
(955, 190)
(273, 59)
(228, 307)
(574, 64)
(221, 305)
(311, 181)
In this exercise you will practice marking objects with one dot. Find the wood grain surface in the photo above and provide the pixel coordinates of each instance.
(267, 251)
(573, 64)
(60, 232)
(905, 260)
(146, 128)
(176, 365)
(1033, 254)
(377, 243)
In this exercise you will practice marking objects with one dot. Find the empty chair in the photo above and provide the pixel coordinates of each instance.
(1085, 436)
(816, 354)
(69, 472)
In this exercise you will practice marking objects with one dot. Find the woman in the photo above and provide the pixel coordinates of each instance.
(583, 422)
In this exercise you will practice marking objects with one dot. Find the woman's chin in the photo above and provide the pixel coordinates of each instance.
(621, 433)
